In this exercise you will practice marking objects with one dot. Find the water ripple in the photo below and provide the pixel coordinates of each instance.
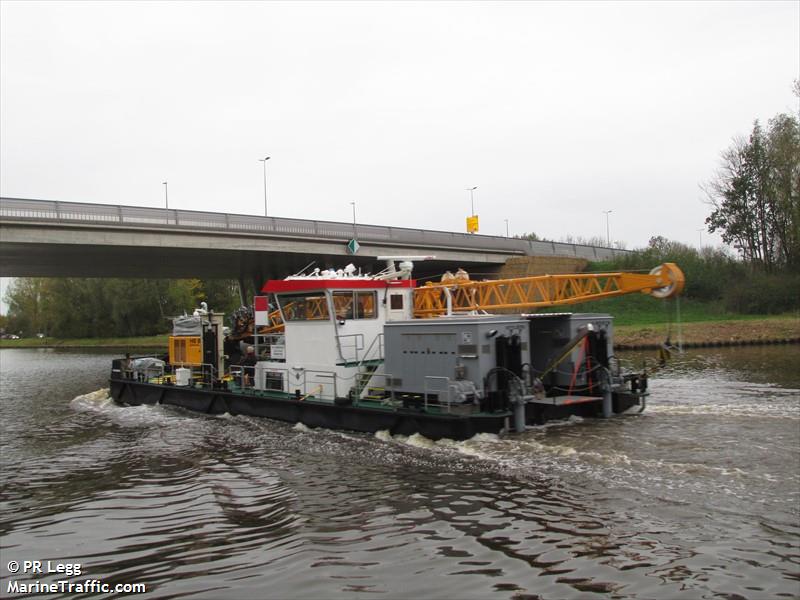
(696, 498)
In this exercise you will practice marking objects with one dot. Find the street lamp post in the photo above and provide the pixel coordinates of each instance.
(608, 231)
(506, 220)
(472, 200)
(355, 233)
(166, 195)
(264, 161)
(700, 231)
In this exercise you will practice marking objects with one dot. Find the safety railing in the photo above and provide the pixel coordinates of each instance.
(140, 368)
(302, 381)
(19, 209)
(374, 351)
(352, 349)
(440, 386)
(351, 346)
(324, 382)
(205, 374)
(323, 385)
(244, 376)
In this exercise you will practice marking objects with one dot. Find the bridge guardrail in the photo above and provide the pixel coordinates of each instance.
(107, 214)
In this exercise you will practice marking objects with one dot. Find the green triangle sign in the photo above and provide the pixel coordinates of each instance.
(353, 246)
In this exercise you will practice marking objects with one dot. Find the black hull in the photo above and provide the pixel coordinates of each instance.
(312, 414)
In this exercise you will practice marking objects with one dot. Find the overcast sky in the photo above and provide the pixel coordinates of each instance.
(556, 112)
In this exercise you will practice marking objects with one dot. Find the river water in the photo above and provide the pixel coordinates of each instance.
(698, 497)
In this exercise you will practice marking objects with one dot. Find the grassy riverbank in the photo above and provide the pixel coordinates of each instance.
(643, 310)
(758, 329)
(640, 320)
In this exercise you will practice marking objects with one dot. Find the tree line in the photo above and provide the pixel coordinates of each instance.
(594, 240)
(72, 307)
(716, 276)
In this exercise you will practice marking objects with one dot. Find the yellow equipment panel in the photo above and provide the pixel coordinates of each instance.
(186, 350)
(472, 224)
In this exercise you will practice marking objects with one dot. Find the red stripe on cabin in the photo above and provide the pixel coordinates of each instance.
(306, 285)
(261, 303)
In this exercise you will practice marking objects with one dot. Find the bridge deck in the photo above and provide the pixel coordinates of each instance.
(64, 213)
(71, 239)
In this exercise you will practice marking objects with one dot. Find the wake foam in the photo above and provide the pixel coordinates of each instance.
(100, 403)
(96, 401)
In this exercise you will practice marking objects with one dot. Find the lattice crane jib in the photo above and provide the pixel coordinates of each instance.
(526, 293)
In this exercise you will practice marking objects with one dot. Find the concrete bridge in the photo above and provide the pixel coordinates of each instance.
(69, 239)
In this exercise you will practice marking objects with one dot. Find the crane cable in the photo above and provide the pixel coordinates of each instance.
(665, 351)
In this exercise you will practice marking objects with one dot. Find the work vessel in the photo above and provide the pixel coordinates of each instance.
(371, 352)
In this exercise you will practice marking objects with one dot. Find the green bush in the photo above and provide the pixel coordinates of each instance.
(716, 279)
(763, 293)
(708, 272)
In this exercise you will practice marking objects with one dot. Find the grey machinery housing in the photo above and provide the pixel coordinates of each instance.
(472, 359)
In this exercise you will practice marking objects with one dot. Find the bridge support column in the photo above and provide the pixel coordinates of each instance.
(242, 291)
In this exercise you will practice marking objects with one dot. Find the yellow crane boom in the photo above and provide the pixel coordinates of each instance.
(540, 291)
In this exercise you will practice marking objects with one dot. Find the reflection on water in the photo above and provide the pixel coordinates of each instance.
(695, 498)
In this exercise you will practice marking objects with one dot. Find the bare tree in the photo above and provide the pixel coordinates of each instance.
(754, 195)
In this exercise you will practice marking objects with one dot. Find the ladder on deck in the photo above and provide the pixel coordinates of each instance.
(366, 369)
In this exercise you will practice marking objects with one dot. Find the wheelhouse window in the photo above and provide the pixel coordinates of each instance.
(365, 305)
(355, 305)
(311, 306)
(343, 305)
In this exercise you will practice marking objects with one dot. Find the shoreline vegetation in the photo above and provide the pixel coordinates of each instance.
(731, 330)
